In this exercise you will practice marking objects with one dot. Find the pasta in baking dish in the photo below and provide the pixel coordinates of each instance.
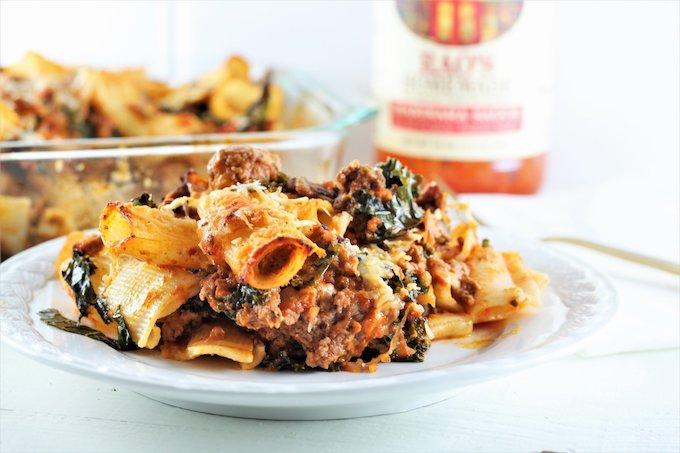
(43, 99)
(273, 271)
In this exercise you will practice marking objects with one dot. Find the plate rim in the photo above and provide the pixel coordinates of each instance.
(606, 305)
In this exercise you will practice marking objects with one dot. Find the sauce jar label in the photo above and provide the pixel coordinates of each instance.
(463, 80)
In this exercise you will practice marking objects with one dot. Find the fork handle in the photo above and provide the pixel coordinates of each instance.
(656, 263)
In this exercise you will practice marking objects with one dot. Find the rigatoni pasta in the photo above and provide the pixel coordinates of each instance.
(498, 295)
(255, 235)
(150, 234)
(145, 292)
(450, 325)
(224, 339)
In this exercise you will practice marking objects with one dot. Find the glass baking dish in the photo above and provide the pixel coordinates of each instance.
(49, 188)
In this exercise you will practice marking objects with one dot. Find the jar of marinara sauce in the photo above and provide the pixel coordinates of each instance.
(465, 90)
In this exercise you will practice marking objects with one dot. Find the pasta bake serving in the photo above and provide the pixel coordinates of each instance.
(272, 271)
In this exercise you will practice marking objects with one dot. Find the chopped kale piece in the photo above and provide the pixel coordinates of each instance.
(399, 285)
(243, 294)
(368, 206)
(486, 243)
(416, 339)
(144, 199)
(396, 215)
(291, 359)
(103, 310)
(124, 342)
(77, 276)
(403, 205)
(415, 336)
(196, 305)
(246, 294)
(396, 173)
(300, 186)
(202, 308)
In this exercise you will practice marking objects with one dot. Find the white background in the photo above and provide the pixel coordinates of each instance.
(618, 97)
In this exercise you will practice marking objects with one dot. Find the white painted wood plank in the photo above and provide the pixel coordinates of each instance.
(618, 403)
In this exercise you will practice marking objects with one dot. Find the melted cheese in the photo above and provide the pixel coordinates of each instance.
(376, 268)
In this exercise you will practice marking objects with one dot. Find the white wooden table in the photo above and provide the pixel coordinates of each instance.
(625, 402)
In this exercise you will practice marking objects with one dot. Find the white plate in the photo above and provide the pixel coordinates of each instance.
(578, 301)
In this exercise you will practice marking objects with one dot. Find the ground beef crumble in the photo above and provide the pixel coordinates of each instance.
(355, 177)
(353, 180)
(431, 197)
(242, 164)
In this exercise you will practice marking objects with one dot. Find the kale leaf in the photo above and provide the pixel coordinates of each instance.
(299, 185)
(103, 310)
(412, 291)
(403, 204)
(246, 294)
(396, 173)
(145, 199)
(292, 358)
(243, 294)
(77, 276)
(124, 342)
(416, 339)
(196, 305)
(398, 214)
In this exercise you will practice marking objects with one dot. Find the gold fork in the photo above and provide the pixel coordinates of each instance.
(638, 258)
